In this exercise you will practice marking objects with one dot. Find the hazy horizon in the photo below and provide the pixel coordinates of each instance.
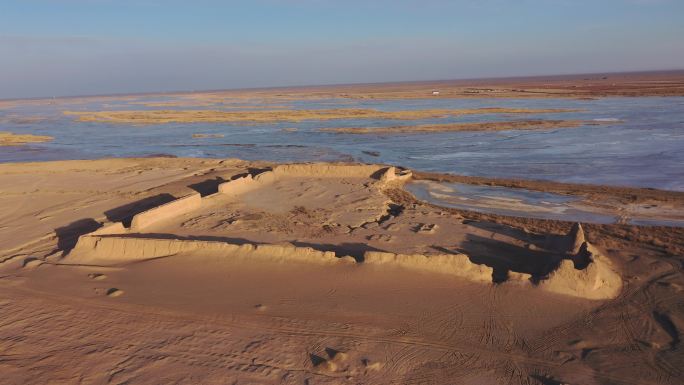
(79, 47)
(268, 87)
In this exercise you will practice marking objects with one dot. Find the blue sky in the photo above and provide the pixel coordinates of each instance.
(75, 47)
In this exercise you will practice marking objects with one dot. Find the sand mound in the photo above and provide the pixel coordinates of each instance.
(569, 244)
(167, 211)
(336, 361)
(249, 182)
(454, 264)
(97, 276)
(114, 243)
(32, 263)
(576, 238)
(598, 280)
(328, 170)
(114, 292)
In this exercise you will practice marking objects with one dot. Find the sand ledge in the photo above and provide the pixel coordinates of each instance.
(115, 244)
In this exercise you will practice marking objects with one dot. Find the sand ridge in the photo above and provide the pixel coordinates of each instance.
(286, 115)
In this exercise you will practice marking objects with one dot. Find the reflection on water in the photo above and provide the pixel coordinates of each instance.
(505, 201)
(642, 146)
(527, 203)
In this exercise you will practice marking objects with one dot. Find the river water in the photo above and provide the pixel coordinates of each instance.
(642, 146)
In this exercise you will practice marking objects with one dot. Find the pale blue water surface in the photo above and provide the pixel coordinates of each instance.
(643, 146)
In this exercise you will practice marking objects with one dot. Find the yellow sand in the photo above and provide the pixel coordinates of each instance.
(12, 139)
(267, 116)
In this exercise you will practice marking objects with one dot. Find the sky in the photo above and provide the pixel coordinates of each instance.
(86, 47)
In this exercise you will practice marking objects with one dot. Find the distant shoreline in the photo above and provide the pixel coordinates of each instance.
(640, 83)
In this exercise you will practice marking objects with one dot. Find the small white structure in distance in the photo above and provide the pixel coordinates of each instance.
(435, 93)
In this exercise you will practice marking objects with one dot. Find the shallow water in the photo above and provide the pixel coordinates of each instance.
(642, 146)
(527, 203)
(506, 201)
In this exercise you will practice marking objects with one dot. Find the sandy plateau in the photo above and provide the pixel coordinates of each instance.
(159, 271)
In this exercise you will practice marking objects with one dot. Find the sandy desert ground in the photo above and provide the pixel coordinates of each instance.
(664, 83)
(180, 270)
(587, 86)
